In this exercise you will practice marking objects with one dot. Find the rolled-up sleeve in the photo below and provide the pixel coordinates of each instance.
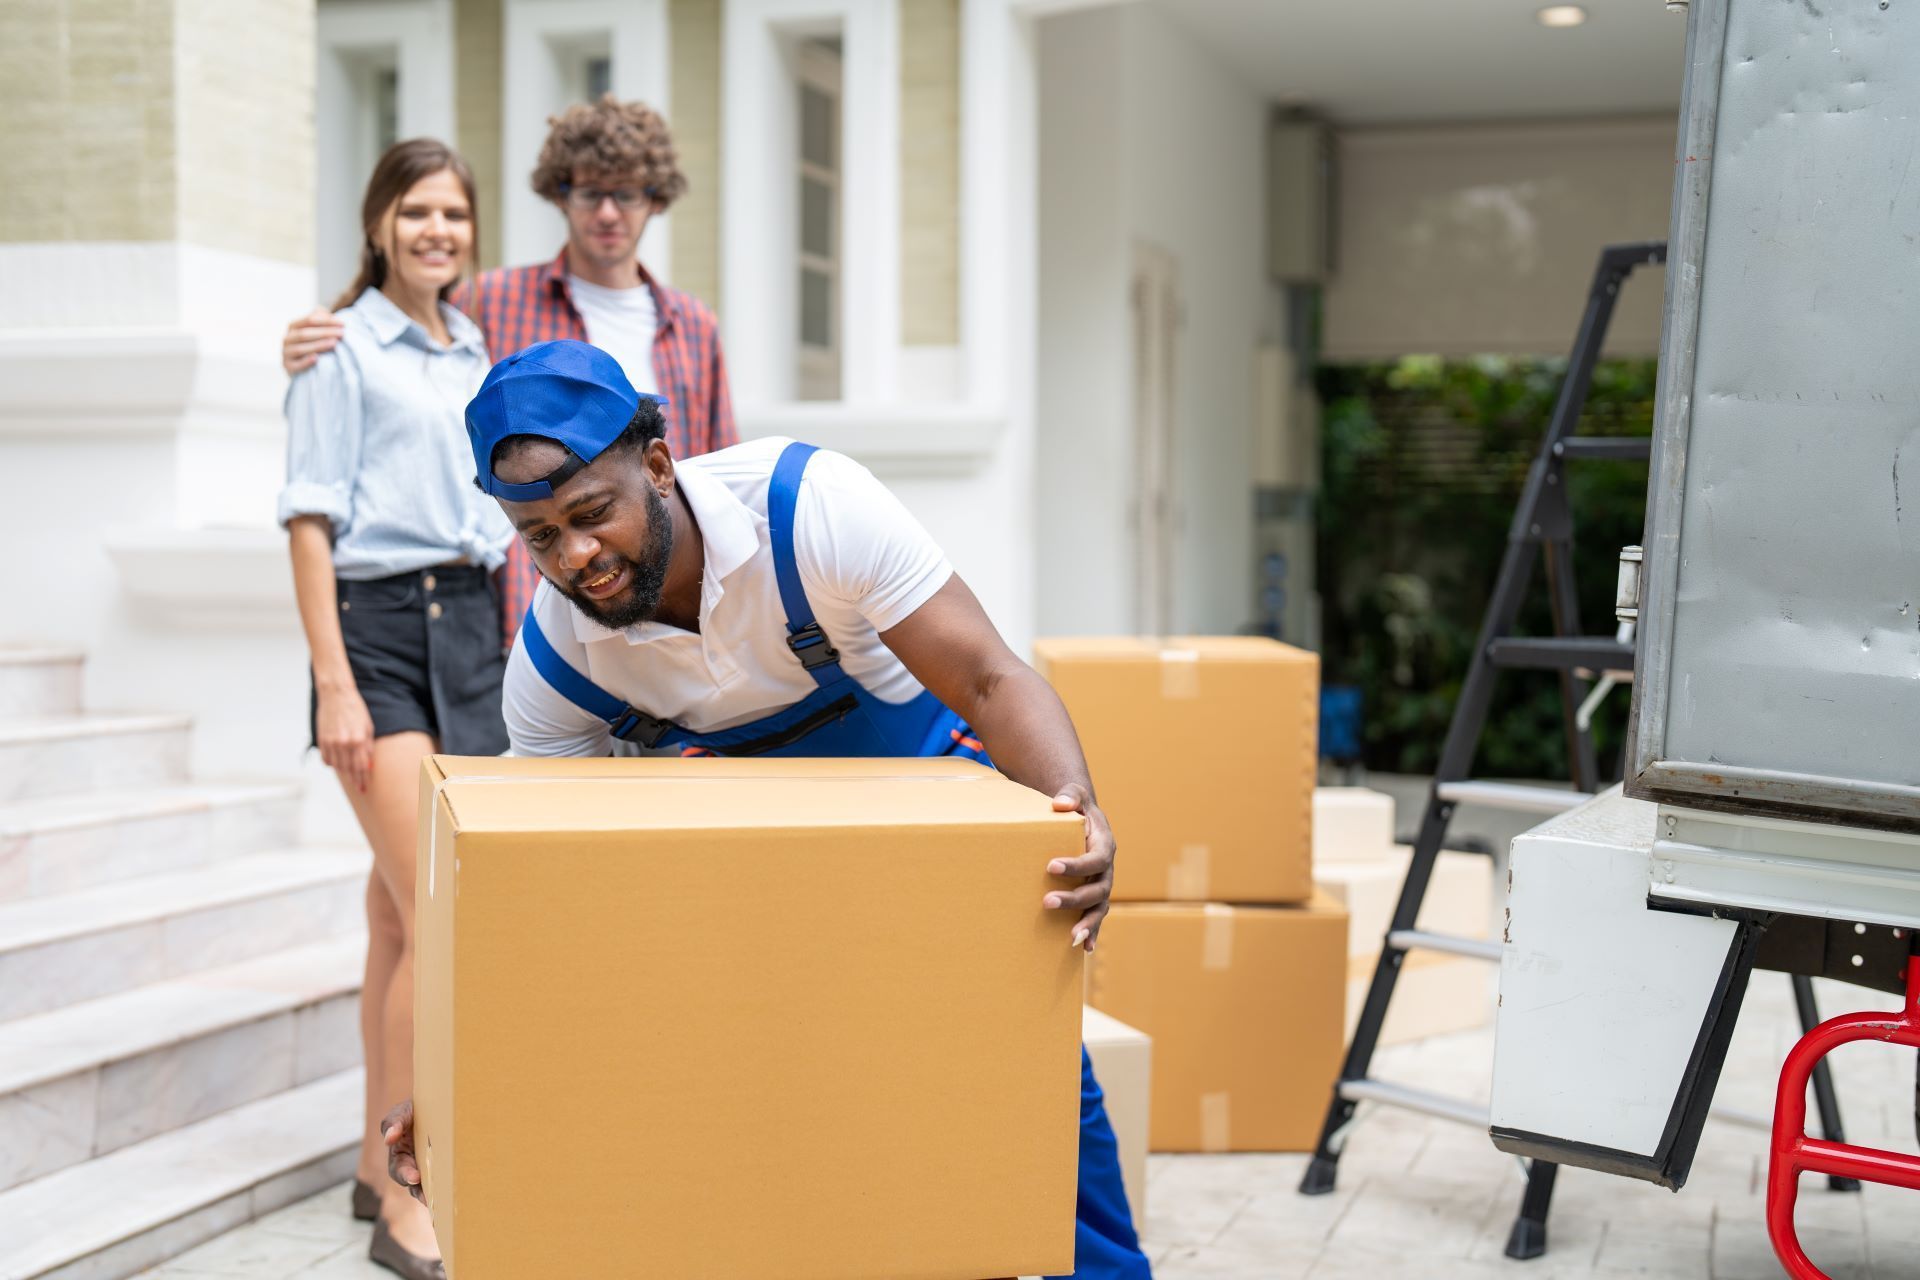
(326, 427)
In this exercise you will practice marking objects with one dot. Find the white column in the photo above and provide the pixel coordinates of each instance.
(151, 253)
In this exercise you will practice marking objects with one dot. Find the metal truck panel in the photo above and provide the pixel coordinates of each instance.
(1780, 663)
(1613, 1018)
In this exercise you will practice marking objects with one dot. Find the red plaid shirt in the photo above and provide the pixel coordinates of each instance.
(519, 306)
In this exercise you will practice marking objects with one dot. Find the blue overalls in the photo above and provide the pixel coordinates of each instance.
(840, 718)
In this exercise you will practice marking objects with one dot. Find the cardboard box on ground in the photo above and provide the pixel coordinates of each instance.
(1123, 1064)
(744, 1019)
(1203, 753)
(1351, 824)
(1244, 1005)
(1434, 993)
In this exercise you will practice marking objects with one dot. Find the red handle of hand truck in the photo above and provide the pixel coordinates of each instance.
(1794, 1153)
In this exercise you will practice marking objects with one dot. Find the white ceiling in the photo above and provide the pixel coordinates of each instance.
(1398, 61)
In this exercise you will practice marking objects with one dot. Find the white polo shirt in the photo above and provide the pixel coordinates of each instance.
(865, 562)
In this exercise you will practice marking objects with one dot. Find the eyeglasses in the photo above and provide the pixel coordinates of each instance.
(586, 198)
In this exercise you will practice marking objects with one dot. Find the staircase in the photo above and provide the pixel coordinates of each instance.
(179, 1033)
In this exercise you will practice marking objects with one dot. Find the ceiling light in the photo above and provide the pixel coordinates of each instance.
(1562, 15)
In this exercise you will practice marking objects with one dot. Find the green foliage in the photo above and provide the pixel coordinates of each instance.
(1423, 461)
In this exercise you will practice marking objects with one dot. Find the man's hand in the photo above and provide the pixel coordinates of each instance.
(308, 338)
(1094, 867)
(951, 648)
(397, 1132)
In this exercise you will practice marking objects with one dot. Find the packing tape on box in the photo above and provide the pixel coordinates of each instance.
(1179, 673)
(1216, 938)
(1216, 1122)
(1191, 874)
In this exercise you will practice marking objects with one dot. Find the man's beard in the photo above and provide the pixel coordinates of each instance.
(647, 578)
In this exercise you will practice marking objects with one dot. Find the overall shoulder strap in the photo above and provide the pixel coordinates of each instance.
(626, 723)
(804, 636)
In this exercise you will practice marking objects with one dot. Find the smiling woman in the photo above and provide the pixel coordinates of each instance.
(413, 182)
(393, 559)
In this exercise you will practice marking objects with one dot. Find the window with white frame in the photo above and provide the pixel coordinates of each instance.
(818, 84)
(599, 77)
(582, 65)
(383, 72)
(555, 54)
(359, 119)
(386, 108)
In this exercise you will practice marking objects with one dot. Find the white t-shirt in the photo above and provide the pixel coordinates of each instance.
(865, 562)
(621, 322)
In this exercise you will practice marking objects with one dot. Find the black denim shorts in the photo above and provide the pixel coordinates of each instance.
(426, 654)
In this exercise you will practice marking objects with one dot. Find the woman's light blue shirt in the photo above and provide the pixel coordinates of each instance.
(377, 443)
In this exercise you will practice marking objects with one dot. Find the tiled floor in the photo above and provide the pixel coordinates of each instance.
(1418, 1197)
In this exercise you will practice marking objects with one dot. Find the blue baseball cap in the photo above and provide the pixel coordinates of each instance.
(568, 392)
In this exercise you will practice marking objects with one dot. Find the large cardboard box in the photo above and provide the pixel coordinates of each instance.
(744, 1020)
(1244, 1005)
(1203, 752)
(1123, 1064)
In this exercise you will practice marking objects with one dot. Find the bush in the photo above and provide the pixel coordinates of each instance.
(1423, 461)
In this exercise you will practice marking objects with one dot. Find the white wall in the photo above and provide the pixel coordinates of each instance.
(1196, 187)
(1145, 139)
(140, 386)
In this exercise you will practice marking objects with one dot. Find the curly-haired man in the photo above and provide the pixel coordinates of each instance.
(610, 167)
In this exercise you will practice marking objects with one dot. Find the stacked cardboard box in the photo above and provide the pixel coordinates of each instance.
(1351, 825)
(1357, 864)
(1123, 1064)
(1203, 752)
(657, 995)
(1244, 1005)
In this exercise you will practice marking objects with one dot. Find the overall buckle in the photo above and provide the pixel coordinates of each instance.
(639, 727)
(811, 646)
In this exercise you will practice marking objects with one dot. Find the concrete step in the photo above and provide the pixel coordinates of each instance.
(40, 682)
(94, 1077)
(68, 754)
(117, 1215)
(60, 950)
(60, 844)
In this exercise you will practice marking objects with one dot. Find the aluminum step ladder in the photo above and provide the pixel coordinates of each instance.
(1542, 528)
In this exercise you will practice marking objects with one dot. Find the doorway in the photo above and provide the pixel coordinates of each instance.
(1155, 295)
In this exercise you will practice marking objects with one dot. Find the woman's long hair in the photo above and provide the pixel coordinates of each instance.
(404, 164)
